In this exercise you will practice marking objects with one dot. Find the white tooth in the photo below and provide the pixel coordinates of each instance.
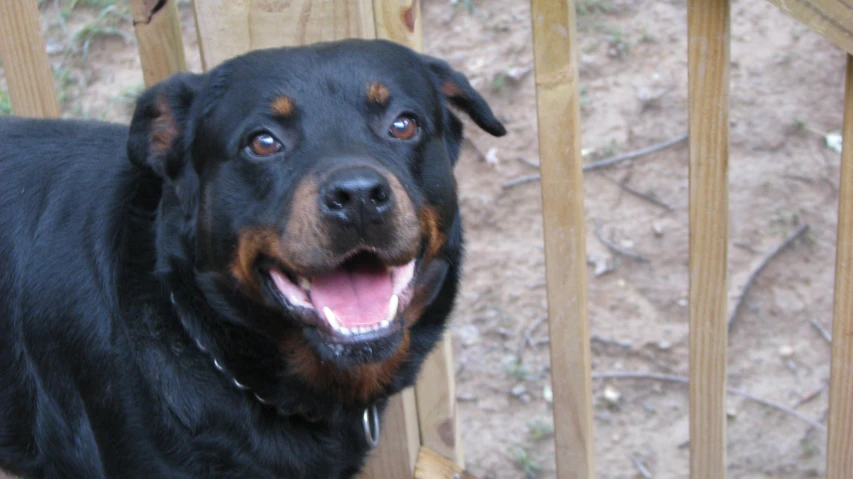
(345, 331)
(304, 283)
(384, 324)
(392, 307)
(331, 318)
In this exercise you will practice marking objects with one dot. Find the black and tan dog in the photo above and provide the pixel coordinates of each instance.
(225, 289)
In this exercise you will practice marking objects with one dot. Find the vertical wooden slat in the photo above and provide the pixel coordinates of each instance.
(435, 466)
(839, 453)
(436, 395)
(557, 95)
(227, 28)
(25, 60)
(399, 21)
(158, 36)
(708, 79)
(399, 443)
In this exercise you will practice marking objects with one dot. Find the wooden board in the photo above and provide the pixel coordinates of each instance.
(399, 443)
(158, 36)
(839, 450)
(436, 395)
(708, 81)
(833, 19)
(399, 21)
(227, 28)
(558, 100)
(25, 60)
(432, 465)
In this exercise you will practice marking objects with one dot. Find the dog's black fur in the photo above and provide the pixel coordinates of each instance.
(121, 249)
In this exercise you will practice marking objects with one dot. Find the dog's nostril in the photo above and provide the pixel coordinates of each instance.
(379, 194)
(338, 199)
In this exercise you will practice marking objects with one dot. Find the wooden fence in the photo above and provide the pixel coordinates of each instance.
(423, 421)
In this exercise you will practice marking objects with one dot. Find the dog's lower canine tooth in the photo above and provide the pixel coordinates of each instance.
(331, 318)
(392, 307)
(305, 283)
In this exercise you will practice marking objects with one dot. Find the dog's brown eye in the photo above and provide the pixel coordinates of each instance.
(264, 144)
(404, 128)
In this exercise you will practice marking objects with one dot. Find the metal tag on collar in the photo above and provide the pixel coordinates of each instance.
(370, 420)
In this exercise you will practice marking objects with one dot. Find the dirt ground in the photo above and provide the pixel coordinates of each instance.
(785, 96)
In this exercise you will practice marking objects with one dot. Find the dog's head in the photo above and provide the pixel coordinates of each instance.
(314, 188)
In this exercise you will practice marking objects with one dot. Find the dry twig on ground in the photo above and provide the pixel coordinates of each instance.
(650, 198)
(607, 162)
(737, 392)
(527, 338)
(826, 335)
(616, 248)
(764, 261)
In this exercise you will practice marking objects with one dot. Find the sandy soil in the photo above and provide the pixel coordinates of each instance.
(786, 95)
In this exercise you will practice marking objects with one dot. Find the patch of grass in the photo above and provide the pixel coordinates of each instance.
(5, 103)
(499, 83)
(540, 429)
(528, 465)
(105, 24)
(517, 370)
(126, 98)
(64, 81)
(645, 36)
(72, 4)
(591, 7)
(584, 97)
(619, 46)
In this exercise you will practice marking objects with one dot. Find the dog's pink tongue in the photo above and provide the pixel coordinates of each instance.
(358, 298)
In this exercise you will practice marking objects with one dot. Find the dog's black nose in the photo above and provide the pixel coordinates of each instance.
(356, 196)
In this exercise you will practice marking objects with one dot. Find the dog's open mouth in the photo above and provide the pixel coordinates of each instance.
(359, 301)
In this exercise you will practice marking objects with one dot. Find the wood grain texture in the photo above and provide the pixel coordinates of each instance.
(25, 60)
(227, 28)
(399, 21)
(839, 450)
(833, 19)
(557, 95)
(158, 36)
(708, 80)
(436, 396)
(399, 443)
(432, 465)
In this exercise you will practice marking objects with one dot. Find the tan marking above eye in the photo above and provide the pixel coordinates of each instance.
(378, 93)
(264, 144)
(404, 128)
(282, 106)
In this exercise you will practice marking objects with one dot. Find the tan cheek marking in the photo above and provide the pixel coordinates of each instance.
(429, 227)
(378, 93)
(306, 240)
(405, 220)
(282, 106)
(250, 244)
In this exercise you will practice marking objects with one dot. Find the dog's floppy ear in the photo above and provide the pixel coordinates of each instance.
(159, 125)
(462, 95)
